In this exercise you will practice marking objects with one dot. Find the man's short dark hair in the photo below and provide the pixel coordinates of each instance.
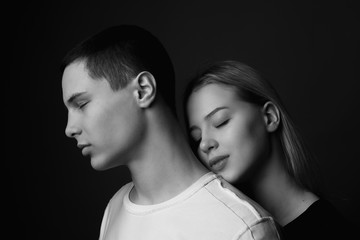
(120, 53)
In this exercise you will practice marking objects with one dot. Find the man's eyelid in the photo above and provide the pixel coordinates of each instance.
(81, 101)
(82, 104)
(76, 99)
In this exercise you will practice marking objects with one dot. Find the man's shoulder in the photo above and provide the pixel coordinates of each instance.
(240, 205)
(249, 220)
(121, 193)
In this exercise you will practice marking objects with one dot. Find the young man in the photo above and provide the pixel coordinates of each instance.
(118, 87)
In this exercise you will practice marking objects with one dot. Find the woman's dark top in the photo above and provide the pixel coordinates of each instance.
(320, 221)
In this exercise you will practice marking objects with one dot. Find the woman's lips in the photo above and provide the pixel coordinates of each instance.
(218, 163)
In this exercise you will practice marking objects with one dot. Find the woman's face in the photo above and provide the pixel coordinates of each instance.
(230, 134)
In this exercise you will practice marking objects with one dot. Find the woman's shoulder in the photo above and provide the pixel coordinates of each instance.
(320, 220)
(321, 208)
(321, 212)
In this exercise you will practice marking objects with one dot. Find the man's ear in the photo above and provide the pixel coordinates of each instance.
(271, 116)
(145, 89)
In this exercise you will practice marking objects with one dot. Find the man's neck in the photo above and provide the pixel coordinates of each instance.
(166, 166)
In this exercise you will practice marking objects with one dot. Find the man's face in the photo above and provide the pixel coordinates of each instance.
(105, 123)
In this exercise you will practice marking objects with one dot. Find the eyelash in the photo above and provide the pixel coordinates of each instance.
(222, 124)
(82, 105)
(197, 141)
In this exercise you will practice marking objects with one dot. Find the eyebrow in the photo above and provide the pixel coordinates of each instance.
(209, 115)
(214, 111)
(73, 97)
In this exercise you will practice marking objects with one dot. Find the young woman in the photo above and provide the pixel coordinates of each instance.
(240, 130)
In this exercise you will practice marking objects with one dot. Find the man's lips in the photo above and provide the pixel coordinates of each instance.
(82, 145)
(84, 148)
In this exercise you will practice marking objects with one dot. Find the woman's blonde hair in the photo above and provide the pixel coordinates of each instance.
(251, 87)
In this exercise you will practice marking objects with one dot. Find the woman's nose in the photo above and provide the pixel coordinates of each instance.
(208, 144)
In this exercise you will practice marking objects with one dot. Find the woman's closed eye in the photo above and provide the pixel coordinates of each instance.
(222, 123)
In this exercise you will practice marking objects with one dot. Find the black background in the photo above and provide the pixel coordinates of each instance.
(307, 50)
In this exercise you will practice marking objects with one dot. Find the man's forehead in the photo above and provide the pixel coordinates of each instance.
(75, 79)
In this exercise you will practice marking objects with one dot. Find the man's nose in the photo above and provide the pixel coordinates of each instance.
(72, 128)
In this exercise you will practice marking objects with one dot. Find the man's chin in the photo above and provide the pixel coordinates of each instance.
(102, 164)
(98, 165)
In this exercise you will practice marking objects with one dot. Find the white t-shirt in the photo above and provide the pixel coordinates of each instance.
(205, 210)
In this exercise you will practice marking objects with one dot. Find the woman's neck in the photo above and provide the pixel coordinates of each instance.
(277, 192)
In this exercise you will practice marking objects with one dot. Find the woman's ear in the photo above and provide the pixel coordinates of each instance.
(145, 89)
(271, 116)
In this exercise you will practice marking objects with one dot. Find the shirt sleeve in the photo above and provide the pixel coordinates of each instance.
(265, 228)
